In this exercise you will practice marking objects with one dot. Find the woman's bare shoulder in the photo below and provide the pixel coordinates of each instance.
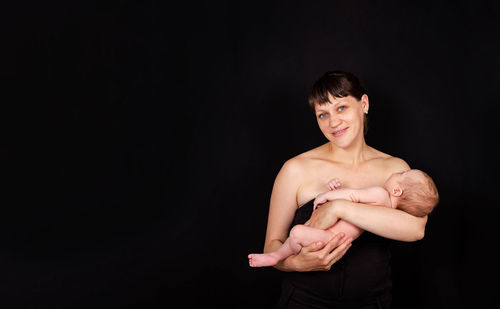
(397, 164)
(302, 162)
(390, 163)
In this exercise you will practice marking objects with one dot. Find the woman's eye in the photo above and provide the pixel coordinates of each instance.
(322, 115)
(341, 108)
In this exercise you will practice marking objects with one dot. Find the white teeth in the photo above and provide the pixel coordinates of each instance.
(339, 131)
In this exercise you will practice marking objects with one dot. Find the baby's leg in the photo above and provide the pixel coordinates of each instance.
(350, 230)
(303, 236)
(271, 258)
(300, 236)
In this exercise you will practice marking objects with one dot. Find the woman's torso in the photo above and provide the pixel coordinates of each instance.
(364, 271)
(318, 170)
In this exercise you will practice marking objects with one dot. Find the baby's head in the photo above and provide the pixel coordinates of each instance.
(412, 191)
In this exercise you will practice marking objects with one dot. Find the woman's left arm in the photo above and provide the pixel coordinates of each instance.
(383, 221)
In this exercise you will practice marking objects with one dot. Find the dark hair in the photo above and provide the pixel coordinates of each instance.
(338, 84)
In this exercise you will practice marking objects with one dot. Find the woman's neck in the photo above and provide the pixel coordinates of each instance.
(352, 155)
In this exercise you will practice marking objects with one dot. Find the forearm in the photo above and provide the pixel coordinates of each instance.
(343, 193)
(383, 221)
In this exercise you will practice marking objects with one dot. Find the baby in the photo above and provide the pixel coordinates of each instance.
(412, 191)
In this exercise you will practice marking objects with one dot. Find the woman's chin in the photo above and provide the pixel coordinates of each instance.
(341, 143)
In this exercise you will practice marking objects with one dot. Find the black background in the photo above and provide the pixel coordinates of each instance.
(141, 141)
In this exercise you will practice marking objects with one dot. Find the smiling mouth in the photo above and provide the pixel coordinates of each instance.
(339, 132)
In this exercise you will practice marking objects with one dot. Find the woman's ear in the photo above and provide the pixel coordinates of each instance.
(365, 104)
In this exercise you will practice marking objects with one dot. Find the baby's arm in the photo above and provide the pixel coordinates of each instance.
(338, 194)
(377, 196)
(373, 195)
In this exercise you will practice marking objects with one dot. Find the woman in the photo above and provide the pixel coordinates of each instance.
(317, 277)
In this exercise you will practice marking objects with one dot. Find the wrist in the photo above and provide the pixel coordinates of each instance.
(338, 209)
(287, 265)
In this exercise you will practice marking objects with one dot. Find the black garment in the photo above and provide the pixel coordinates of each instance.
(360, 279)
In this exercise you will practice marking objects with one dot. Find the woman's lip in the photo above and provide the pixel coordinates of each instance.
(339, 132)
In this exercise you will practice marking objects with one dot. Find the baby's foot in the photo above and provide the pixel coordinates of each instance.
(334, 184)
(261, 260)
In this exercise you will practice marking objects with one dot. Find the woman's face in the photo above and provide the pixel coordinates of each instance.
(341, 120)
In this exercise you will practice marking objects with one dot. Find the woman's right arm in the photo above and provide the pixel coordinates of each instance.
(283, 204)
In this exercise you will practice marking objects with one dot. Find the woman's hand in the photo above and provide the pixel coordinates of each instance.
(318, 256)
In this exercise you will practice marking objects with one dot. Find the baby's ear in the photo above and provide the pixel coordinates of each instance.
(397, 191)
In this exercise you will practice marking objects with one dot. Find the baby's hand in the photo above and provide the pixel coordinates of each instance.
(334, 184)
(320, 199)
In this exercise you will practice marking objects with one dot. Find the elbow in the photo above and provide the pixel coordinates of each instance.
(417, 234)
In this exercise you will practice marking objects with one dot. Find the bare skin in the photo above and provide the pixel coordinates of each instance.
(347, 156)
(388, 196)
(303, 235)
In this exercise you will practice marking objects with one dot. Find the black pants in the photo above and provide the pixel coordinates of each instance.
(294, 298)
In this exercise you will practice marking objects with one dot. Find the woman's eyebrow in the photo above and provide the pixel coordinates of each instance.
(334, 105)
(340, 102)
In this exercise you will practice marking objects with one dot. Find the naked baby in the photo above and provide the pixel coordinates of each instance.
(412, 191)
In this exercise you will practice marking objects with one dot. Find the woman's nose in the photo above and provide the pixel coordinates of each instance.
(334, 121)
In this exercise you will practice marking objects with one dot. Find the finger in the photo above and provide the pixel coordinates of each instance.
(341, 250)
(343, 239)
(327, 260)
(333, 243)
(337, 257)
(315, 246)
